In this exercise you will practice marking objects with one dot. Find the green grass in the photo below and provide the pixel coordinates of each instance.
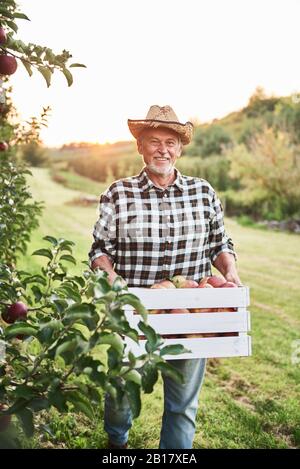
(71, 180)
(245, 402)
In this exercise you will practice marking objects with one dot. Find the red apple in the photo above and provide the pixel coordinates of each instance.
(4, 420)
(8, 64)
(190, 284)
(229, 285)
(3, 146)
(163, 284)
(216, 281)
(203, 282)
(15, 311)
(179, 311)
(2, 35)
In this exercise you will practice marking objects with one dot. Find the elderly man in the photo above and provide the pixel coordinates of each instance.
(153, 226)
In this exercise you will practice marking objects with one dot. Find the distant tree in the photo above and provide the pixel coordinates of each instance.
(209, 140)
(270, 168)
(259, 103)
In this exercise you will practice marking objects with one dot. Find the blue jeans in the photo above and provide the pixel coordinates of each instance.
(180, 409)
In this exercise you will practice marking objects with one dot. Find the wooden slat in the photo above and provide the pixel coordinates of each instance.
(217, 347)
(192, 297)
(196, 322)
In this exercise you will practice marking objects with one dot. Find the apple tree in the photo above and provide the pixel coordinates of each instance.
(63, 341)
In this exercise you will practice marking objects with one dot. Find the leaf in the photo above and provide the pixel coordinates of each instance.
(26, 418)
(20, 329)
(47, 74)
(149, 378)
(77, 65)
(68, 76)
(133, 392)
(133, 375)
(170, 371)
(51, 240)
(112, 339)
(80, 403)
(12, 25)
(37, 293)
(27, 66)
(68, 258)
(21, 16)
(132, 300)
(149, 333)
(44, 253)
(174, 349)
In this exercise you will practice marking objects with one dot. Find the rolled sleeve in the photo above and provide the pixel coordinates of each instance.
(218, 240)
(104, 230)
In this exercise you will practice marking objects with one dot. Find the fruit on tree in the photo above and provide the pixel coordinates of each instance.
(8, 64)
(3, 146)
(15, 311)
(2, 35)
(4, 420)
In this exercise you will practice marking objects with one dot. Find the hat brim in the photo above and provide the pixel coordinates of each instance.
(185, 131)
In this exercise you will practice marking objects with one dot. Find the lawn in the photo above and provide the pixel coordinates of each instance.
(245, 402)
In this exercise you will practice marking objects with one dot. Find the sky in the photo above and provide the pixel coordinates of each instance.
(203, 57)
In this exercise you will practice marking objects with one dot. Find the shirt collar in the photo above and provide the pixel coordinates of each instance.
(146, 184)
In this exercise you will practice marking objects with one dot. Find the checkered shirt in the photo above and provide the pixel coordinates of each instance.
(150, 233)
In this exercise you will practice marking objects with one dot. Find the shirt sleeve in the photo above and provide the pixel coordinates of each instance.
(218, 240)
(105, 230)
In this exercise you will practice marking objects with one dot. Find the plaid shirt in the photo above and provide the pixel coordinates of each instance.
(150, 234)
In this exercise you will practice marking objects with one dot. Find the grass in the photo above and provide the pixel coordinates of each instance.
(245, 402)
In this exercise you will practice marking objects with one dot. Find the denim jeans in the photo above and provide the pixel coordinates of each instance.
(180, 409)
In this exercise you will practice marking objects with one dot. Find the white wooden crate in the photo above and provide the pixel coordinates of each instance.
(235, 324)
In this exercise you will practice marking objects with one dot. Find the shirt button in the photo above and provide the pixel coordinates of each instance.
(165, 195)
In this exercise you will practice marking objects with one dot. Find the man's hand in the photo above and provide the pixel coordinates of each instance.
(225, 263)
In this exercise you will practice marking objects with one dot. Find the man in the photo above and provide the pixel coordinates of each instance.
(153, 226)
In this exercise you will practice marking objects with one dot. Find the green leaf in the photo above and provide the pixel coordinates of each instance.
(21, 16)
(51, 240)
(81, 404)
(26, 418)
(68, 258)
(112, 339)
(12, 25)
(174, 349)
(132, 300)
(133, 375)
(170, 371)
(37, 293)
(133, 392)
(77, 65)
(47, 74)
(27, 66)
(44, 253)
(68, 76)
(149, 378)
(149, 333)
(20, 329)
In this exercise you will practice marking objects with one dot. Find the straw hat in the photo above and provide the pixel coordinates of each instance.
(162, 117)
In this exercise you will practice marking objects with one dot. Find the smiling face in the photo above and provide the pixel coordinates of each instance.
(160, 149)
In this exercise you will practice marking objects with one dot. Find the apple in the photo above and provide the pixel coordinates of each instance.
(178, 281)
(163, 284)
(190, 284)
(203, 282)
(15, 311)
(216, 281)
(156, 311)
(8, 64)
(4, 420)
(229, 285)
(2, 35)
(179, 311)
(3, 146)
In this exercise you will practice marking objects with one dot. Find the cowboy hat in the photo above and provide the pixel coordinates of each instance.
(162, 117)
